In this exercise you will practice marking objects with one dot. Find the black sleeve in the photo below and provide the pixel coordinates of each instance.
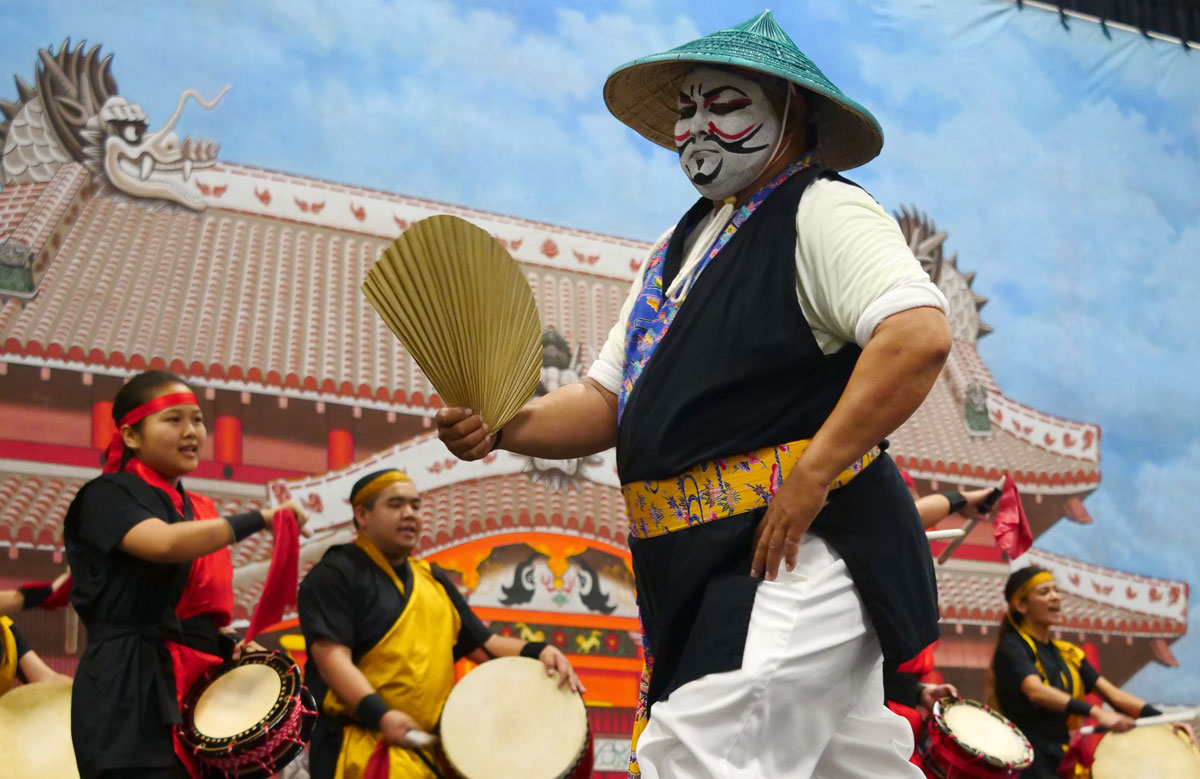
(107, 513)
(1089, 675)
(1012, 663)
(473, 634)
(22, 645)
(325, 605)
(22, 650)
(901, 687)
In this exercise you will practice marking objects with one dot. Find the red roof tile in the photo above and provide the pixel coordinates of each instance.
(242, 298)
(935, 442)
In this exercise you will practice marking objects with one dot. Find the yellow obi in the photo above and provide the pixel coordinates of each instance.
(8, 655)
(411, 668)
(719, 489)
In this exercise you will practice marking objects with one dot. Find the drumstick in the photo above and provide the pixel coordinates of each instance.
(424, 757)
(1187, 715)
(420, 738)
(967, 528)
(944, 535)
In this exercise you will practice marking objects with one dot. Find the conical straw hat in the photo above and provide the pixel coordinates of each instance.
(643, 93)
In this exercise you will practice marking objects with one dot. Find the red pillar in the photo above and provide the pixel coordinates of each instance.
(103, 426)
(341, 449)
(227, 440)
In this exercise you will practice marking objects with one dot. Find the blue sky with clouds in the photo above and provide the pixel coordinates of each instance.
(1063, 165)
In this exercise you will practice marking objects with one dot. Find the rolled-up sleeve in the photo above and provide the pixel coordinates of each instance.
(853, 267)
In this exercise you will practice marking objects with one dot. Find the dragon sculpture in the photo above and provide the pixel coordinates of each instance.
(926, 241)
(73, 113)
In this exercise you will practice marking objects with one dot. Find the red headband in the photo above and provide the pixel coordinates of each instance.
(116, 445)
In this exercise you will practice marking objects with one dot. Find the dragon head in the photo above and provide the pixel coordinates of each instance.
(74, 112)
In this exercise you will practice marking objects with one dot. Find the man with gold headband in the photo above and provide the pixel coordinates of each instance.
(383, 630)
(1039, 683)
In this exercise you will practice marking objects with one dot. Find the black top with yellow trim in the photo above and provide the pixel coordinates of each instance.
(352, 600)
(12, 648)
(1017, 657)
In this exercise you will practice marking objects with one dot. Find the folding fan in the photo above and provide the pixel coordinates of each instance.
(464, 311)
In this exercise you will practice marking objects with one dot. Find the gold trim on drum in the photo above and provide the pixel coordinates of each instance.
(938, 720)
(263, 747)
(289, 684)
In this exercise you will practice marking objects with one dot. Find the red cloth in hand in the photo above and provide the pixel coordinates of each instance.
(279, 590)
(1081, 752)
(379, 766)
(1010, 528)
(60, 597)
(57, 599)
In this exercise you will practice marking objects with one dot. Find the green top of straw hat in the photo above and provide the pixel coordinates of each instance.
(643, 93)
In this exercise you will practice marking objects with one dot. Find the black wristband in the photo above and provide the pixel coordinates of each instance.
(246, 525)
(34, 596)
(370, 710)
(533, 649)
(1148, 711)
(957, 501)
(226, 643)
(1079, 706)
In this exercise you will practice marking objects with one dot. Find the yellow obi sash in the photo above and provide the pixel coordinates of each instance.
(411, 668)
(8, 655)
(718, 489)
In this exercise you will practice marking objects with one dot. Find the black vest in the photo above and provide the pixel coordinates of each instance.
(739, 368)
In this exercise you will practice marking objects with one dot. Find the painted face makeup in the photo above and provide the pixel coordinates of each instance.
(726, 132)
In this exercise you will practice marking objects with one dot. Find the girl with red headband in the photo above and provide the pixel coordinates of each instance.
(153, 584)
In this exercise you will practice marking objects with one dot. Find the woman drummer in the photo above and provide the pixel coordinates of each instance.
(153, 584)
(1039, 682)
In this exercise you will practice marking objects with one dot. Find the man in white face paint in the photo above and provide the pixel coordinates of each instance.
(771, 341)
(727, 131)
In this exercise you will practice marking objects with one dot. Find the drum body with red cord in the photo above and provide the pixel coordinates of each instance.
(248, 718)
(508, 718)
(968, 740)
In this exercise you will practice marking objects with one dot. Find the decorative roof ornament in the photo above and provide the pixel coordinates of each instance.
(73, 113)
(926, 243)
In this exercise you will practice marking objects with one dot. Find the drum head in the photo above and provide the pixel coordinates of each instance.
(237, 700)
(984, 732)
(508, 718)
(1153, 752)
(35, 732)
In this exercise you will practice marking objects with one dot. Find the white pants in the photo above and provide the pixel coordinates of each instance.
(807, 701)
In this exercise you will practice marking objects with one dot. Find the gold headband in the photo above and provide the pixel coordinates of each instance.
(1038, 578)
(377, 485)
